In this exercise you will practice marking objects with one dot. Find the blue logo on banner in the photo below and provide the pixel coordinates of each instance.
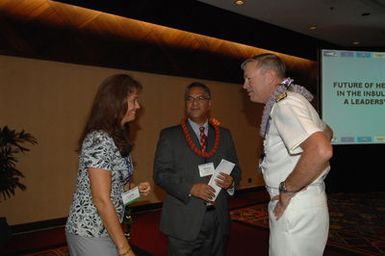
(347, 54)
(363, 54)
(347, 139)
(364, 139)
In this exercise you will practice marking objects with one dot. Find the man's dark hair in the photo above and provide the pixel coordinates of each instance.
(197, 85)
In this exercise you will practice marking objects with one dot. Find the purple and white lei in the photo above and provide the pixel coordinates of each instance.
(285, 85)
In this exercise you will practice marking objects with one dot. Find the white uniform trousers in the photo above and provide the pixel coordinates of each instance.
(303, 228)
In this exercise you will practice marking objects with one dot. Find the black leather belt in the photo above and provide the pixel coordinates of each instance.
(210, 207)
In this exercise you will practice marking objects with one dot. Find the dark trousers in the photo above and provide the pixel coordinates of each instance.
(210, 241)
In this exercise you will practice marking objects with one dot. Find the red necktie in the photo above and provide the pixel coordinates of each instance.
(203, 139)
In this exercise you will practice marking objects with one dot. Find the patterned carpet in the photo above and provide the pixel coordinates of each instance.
(357, 221)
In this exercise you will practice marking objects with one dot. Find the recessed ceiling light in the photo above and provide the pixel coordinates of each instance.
(356, 43)
(313, 27)
(239, 2)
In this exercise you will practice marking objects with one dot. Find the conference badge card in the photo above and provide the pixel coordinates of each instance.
(131, 195)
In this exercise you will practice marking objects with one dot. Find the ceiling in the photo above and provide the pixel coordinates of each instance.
(111, 35)
(341, 22)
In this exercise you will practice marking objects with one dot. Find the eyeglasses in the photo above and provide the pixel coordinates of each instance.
(199, 99)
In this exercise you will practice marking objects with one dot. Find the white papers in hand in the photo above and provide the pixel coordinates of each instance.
(225, 167)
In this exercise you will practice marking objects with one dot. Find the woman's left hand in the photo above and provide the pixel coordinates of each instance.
(144, 188)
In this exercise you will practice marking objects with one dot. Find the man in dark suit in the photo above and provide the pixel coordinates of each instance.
(194, 223)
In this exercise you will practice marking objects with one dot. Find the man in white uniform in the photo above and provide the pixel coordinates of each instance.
(297, 152)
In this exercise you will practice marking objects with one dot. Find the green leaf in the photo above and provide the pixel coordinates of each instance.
(12, 143)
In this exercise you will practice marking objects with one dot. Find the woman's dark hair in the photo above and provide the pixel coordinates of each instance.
(109, 108)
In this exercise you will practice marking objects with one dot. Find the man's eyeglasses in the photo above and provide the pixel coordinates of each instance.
(199, 99)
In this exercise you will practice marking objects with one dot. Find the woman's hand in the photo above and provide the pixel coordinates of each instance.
(126, 252)
(144, 188)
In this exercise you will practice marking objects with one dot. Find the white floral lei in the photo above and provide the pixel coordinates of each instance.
(285, 85)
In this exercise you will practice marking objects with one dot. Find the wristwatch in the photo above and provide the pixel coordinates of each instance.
(282, 187)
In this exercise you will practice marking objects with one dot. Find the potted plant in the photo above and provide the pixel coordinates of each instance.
(11, 143)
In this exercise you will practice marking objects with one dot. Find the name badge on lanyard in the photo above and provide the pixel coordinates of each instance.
(206, 169)
(130, 195)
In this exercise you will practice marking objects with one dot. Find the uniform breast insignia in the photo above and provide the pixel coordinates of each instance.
(280, 97)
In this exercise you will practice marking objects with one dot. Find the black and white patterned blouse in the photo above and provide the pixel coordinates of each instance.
(98, 151)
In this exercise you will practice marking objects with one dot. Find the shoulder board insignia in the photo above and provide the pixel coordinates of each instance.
(280, 97)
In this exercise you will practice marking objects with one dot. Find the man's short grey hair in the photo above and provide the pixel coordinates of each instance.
(267, 61)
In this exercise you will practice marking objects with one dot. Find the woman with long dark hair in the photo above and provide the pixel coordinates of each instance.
(105, 168)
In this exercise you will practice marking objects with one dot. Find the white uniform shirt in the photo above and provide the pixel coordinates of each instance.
(293, 120)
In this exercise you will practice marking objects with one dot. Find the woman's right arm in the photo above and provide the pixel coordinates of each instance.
(100, 181)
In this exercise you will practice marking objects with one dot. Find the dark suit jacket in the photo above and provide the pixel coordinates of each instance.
(176, 170)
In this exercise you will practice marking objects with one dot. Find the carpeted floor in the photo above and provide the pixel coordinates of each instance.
(357, 228)
(357, 222)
